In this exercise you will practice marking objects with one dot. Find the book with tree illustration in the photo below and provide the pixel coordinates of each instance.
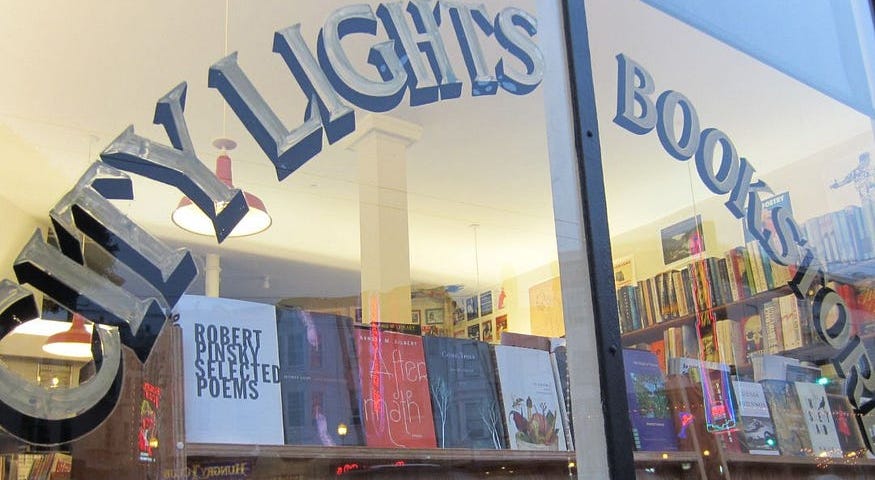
(530, 399)
(464, 394)
(649, 409)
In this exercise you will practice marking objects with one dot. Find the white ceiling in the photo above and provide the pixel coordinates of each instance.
(78, 73)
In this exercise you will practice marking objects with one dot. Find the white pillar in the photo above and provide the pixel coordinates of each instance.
(212, 275)
(381, 143)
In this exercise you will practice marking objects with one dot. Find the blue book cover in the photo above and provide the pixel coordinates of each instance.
(649, 408)
(319, 379)
(464, 394)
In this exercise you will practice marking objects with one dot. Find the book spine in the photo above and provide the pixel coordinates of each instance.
(772, 339)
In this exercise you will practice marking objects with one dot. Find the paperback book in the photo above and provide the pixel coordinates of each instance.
(320, 383)
(791, 428)
(757, 428)
(530, 398)
(396, 404)
(649, 409)
(818, 417)
(230, 366)
(464, 394)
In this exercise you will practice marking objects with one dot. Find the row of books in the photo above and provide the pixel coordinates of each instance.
(786, 415)
(317, 379)
(844, 236)
(779, 325)
(36, 466)
(702, 285)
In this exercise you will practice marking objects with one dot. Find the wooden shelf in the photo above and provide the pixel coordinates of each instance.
(653, 333)
(310, 452)
(744, 458)
(666, 457)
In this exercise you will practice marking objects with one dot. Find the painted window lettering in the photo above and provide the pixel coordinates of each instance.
(727, 173)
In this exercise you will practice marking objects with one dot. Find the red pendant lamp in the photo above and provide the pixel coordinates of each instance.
(189, 217)
(74, 342)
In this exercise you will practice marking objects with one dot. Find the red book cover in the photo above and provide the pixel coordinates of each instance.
(658, 349)
(396, 404)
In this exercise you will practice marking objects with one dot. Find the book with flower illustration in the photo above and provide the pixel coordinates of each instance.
(530, 399)
(649, 409)
(396, 405)
(319, 378)
(464, 394)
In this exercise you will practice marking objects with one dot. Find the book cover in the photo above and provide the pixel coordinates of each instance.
(773, 338)
(818, 417)
(757, 428)
(464, 394)
(847, 427)
(319, 378)
(791, 429)
(649, 409)
(791, 321)
(396, 403)
(752, 336)
(530, 399)
(230, 366)
(559, 359)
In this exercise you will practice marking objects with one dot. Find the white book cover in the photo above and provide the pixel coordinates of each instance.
(530, 399)
(756, 421)
(791, 324)
(771, 367)
(818, 417)
(231, 371)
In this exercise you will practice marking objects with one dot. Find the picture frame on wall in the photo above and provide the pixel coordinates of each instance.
(474, 331)
(682, 240)
(486, 331)
(434, 316)
(485, 303)
(416, 317)
(500, 326)
(624, 272)
(471, 308)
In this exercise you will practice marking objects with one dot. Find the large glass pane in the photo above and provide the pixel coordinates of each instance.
(393, 303)
(736, 146)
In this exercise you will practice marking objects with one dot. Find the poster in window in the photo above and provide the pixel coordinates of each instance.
(434, 316)
(471, 308)
(485, 303)
(682, 240)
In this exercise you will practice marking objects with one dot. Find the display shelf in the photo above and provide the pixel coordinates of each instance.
(823, 462)
(666, 457)
(654, 332)
(311, 452)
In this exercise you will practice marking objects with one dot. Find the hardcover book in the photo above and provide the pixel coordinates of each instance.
(757, 428)
(464, 394)
(847, 428)
(320, 384)
(396, 405)
(529, 398)
(230, 366)
(649, 409)
(791, 428)
(818, 417)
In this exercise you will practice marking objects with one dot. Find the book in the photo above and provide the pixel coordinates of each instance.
(396, 403)
(752, 336)
(791, 321)
(559, 359)
(773, 339)
(771, 367)
(755, 422)
(319, 379)
(464, 394)
(649, 409)
(847, 427)
(791, 429)
(529, 398)
(818, 417)
(230, 365)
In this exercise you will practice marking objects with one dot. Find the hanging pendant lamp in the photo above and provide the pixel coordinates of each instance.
(189, 217)
(74, 342)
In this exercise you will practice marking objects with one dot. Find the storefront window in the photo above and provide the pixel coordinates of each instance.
(736, 148)
(396, 302)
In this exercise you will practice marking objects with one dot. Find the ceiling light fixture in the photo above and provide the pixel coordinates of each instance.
(74, 342)
(188, 216)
